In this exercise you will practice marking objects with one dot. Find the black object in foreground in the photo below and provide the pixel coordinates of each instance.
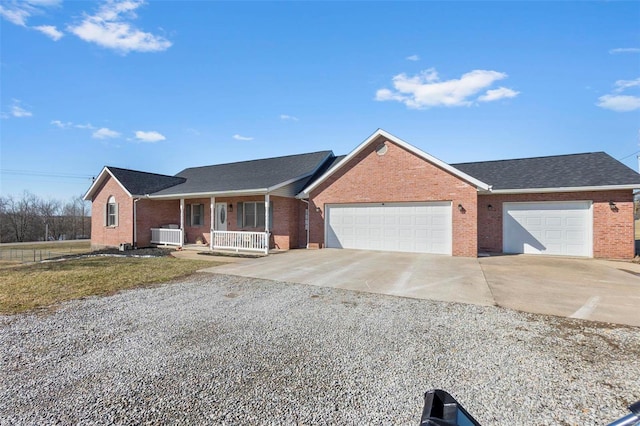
(441, 409)
(632, 419)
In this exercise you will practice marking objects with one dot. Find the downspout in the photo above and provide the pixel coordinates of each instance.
(308, 222)
(135, 224)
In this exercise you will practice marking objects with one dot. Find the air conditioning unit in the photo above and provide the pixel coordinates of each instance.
(171, 226)
(125, 246)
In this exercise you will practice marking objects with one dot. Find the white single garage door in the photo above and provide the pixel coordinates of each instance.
(408, 227)
(557, 228)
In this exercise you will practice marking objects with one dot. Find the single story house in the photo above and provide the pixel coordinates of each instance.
(384, 195)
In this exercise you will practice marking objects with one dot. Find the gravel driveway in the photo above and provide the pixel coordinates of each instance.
(219, 349)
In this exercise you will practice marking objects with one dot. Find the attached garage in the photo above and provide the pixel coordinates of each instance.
(406, 227)
(554, 228)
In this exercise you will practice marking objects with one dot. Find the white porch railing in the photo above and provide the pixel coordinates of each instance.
(172, 237)
(238, 240)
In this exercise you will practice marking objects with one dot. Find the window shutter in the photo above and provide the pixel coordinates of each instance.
(106, 214)
(116, 224)
(188, 214)
(271, 216)
(240, 213)
(259, 214)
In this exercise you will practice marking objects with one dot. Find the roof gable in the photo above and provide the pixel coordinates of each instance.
(587, 170)
(262, 175)
(381, 133)
(133, 182)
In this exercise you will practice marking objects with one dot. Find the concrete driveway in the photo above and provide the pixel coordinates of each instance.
(578, 288)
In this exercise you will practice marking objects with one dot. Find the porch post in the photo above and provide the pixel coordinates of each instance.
(213, 221)
(266, 222)
(182, 221)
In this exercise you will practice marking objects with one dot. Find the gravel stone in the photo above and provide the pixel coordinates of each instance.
(218, 349)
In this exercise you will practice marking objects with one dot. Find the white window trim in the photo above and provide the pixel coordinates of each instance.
(108, 222)
(193, 215)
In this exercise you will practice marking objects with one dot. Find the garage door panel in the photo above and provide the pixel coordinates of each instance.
(557, 228)
(410, 227)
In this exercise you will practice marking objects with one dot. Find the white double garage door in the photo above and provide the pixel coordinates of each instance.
(408, 227)
(555, 228)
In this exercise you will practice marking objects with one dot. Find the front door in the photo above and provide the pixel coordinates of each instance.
(221, 216)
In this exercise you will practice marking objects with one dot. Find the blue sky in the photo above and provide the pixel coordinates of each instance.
(163, 85)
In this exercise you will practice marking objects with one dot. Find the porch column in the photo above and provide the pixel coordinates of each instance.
(266, 213)
(213, 221)
(182, 221)
(266, 223)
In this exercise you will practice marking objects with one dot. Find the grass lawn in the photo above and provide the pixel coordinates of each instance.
(76, 246)
(27, 287)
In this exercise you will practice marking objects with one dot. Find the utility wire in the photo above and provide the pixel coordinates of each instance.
(45, 174)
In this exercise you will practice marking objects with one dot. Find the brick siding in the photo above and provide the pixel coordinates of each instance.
(397, 176)
(111, 236)
(613, 230)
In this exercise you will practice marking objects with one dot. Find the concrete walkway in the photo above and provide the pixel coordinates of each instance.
(590, 289)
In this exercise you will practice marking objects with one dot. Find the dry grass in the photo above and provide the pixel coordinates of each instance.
(28, 287)
(12, 254)
(62, 246)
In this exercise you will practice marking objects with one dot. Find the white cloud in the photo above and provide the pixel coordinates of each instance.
(110, 28)
(60, 124)
(18, 12)
(84, 126)
(15, 14)
(151, 136)
(104, 133)
(413, 58)
(51, 31)
(624, 50)
(427, 90)
(19, 112)
(499, 93)
(242, 138)
(622, 85)
(619, 103)
(286, 117)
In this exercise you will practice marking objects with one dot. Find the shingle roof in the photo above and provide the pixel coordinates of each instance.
(246, 175)
(142, 183)
(560, 171)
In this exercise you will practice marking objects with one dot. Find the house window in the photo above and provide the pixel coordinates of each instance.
(195, 214)
(251, 214)
(111, 212)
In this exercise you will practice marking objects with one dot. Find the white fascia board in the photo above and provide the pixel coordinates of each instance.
(238, 193)
(480, 185)
(99, 181)
(563, 189)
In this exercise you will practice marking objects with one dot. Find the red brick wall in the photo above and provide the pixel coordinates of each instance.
(613, 231)
(202, 232)
(397, 176)
(284, 228)
(111, 236)
(154, 214)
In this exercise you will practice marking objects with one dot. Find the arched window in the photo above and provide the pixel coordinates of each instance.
(111, 212)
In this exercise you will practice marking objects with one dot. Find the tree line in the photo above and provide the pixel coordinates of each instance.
(31, 218)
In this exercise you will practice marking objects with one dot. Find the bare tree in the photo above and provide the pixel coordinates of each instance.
(20, 216)
(33, 219)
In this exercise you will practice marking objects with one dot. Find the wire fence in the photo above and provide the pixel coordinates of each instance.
(31, 255)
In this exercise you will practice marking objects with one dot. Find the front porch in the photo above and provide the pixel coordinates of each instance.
(219, 240)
